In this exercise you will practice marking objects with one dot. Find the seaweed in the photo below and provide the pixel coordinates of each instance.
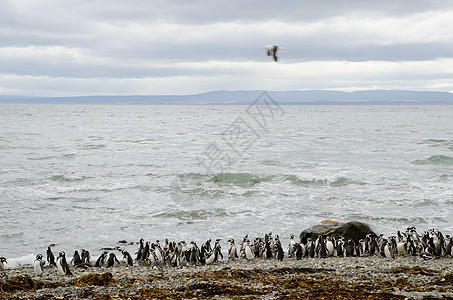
(25, 283)
(94, 279)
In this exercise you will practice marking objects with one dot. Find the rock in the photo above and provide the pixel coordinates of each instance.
(352, 230)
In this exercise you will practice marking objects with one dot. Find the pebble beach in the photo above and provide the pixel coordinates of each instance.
(309, 278)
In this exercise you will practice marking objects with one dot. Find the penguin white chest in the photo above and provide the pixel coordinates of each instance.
(248, 252)
(60, 266)
(37, 268)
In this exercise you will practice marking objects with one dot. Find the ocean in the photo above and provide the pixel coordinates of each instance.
(88, 176)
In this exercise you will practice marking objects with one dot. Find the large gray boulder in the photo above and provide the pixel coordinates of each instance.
(352, 230)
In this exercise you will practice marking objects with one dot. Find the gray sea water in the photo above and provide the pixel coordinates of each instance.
(87, 176)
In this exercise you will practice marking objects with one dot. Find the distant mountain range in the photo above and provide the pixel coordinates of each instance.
(247, 97)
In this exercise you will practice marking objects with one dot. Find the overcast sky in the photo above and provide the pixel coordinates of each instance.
(106, 47)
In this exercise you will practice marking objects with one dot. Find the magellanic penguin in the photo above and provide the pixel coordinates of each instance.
(86, 257)
(112, 260)
(62, 264)
(50, 257)
(300, 251)
(101, 259)
(292, 246)
(157, 251)
(310, 248)
(389, 250)
(2, 261)
(38, 265)
(232, 250)
(448, 245)
(330, 245)
(280, 252)
(268, 252)
(340, 247)
(272, 51)
(76, 260)
(215, 253)
(321, 248)
(140, 250)
(242, 248)
(128, 257)
(145, 252)
(248, 250)
(194, 254)
(349, 248)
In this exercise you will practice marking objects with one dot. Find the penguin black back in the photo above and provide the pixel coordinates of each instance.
(280, 252)
(112, 260)
(76, 260)
(298, 251)
(128, 258)
(50, 258)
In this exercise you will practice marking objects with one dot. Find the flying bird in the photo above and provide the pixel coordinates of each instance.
(272, 50)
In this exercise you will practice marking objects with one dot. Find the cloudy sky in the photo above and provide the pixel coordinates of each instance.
(106, 47)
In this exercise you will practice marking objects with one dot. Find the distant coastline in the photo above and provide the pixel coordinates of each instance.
(311, 97)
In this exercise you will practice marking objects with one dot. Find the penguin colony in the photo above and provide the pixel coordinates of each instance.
(429, 245)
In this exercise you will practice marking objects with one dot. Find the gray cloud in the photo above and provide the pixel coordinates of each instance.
(204, 42)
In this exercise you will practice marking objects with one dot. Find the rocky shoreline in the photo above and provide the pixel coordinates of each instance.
(328, 278)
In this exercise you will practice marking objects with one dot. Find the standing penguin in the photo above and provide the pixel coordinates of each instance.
(248, 250)
(50, 257)
(232, 251)
(373, 245)
(140, 250)
(38, 264)
(145, 252)
(101, 259)
(300, 251)
(321, 247)
(158, 251)
(242, 248)
(215, 253)
(112, 260)
(349, 248)
(268, 252)
(76, 260)
(208, 245)
(128, 257)
(217, 244)
(292, 246)
(330, 245)
(280, 252)
(86, 257)
(2, 261)
(310, 248)
(389, 250)
(62, 264)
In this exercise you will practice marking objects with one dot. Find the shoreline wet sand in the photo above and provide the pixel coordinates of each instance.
(315, 278)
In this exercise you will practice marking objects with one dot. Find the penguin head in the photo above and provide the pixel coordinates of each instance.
(39, 257)
(3, 260)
